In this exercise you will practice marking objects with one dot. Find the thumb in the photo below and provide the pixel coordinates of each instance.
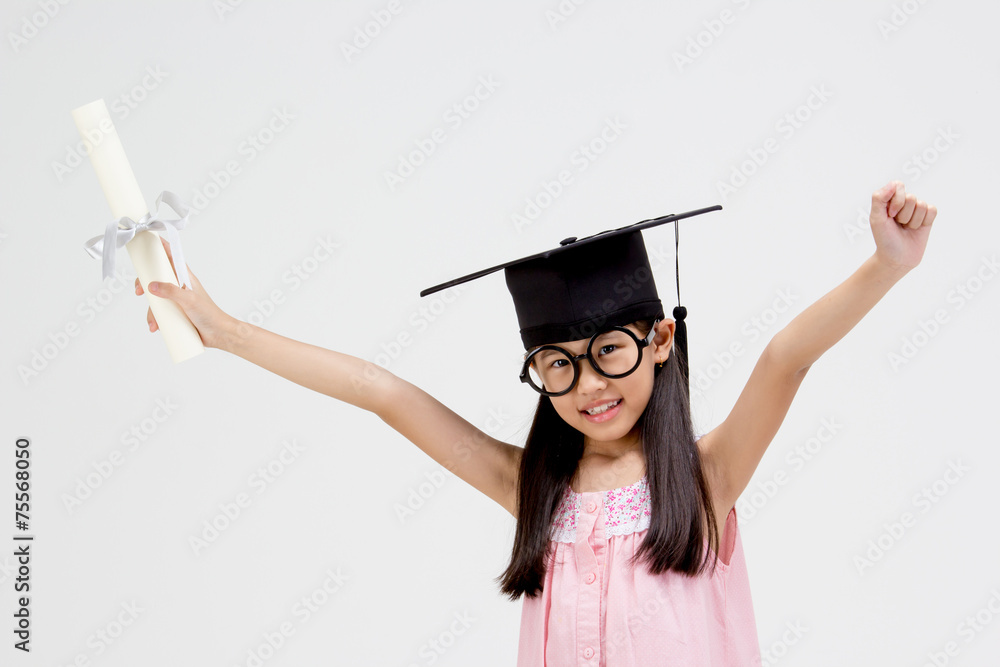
(164, 290)
(881, 199)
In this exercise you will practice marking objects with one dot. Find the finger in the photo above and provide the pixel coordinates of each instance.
(883, 194)
(919, 213)
(165, 290)
(880, 199)
(195, 283)
(898, 199)
(931, 214)
(905, 213)
(138, 287)
(150, 320)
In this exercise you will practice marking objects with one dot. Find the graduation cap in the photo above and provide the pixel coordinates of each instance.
(585, 285)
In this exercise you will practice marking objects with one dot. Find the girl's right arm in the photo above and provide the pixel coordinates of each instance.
(487, 464)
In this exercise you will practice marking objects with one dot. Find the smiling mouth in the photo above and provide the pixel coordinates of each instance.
(602, 409)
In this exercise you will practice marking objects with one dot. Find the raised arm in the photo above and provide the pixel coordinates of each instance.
(487, 464)
(732, 450)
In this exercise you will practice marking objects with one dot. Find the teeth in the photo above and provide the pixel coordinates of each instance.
(603, 408)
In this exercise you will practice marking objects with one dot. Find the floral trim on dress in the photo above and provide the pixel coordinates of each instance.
(626, 511)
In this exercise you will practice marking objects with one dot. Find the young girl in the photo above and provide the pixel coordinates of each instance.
(619, 549)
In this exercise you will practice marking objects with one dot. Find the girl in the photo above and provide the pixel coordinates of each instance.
(619, 549)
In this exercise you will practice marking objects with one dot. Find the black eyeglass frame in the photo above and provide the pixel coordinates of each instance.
(642, 343)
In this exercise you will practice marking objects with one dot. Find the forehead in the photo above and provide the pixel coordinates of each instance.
(579, 346)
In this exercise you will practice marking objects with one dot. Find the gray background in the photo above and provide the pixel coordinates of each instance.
(797, 226)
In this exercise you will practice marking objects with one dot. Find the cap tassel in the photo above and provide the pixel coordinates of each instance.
(681, 339)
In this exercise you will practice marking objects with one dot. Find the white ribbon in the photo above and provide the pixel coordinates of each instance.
(121, 231)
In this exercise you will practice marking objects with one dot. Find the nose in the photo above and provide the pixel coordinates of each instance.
(590, 380)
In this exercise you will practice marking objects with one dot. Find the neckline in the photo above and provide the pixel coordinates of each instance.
(606, 491)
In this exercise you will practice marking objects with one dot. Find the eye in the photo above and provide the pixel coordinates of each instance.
(558, 361)
(609, 348)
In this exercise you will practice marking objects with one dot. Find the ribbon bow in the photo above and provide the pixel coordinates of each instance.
(115, 235)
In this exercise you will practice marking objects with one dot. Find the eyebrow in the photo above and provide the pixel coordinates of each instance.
(583, 341)
(565, 346)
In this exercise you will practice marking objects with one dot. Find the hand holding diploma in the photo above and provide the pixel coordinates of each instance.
(212, 323)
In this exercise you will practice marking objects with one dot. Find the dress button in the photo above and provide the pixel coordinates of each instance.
(591, 577)
(591, 506)
(588, 652)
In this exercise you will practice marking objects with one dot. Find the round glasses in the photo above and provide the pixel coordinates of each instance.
(614, 353)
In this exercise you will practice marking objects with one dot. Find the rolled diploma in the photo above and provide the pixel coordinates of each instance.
(145, 250)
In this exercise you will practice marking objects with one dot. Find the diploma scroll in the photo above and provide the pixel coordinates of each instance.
(145, 250)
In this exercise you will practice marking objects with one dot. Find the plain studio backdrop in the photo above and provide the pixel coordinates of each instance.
(343, 156)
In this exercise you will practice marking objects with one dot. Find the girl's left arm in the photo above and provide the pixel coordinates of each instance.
(900, 224)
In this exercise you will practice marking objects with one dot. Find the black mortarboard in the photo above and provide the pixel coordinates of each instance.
(571, 292)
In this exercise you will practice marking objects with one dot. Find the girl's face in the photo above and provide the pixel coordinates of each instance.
(631, 392)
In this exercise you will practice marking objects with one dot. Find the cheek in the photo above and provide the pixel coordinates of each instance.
(640, 389)
(566, 411)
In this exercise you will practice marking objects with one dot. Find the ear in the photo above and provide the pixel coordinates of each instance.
(663, 342)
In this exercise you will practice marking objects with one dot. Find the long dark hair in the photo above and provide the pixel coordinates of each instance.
(679, 494)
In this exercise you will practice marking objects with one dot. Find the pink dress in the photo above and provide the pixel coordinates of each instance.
(597, 611)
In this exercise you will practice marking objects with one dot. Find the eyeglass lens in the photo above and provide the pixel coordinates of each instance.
(613, 352)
